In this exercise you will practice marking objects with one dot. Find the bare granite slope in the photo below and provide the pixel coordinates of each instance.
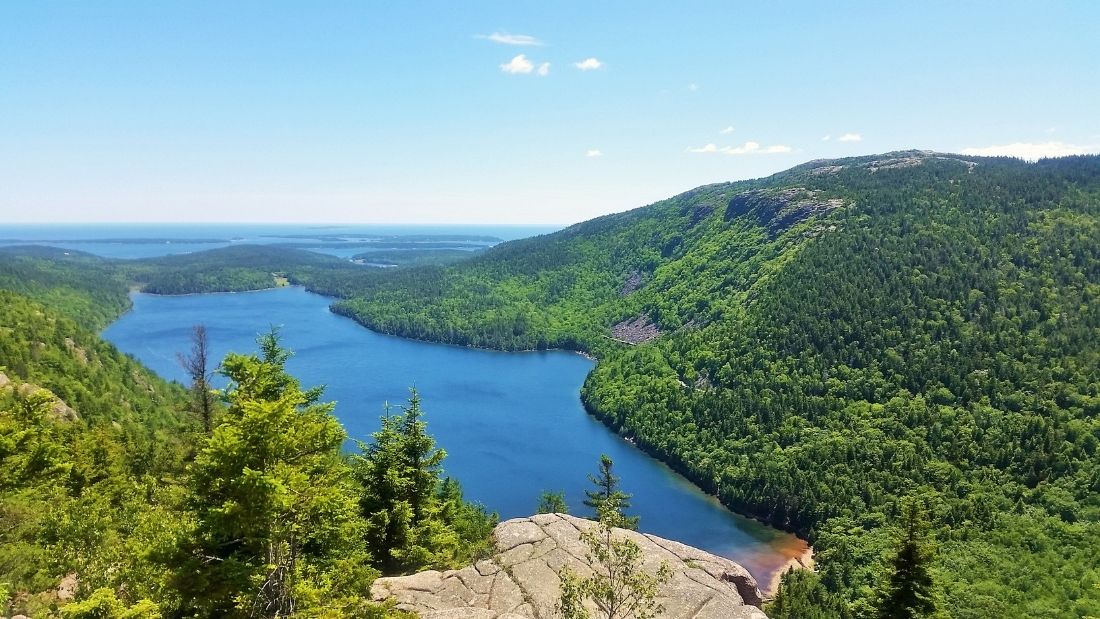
(521, 579)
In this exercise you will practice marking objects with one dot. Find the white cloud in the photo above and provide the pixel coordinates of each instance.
(1031, 151)
(850, 137)
(693, 87)
(509, 39)
(727, 130)
(826, 138)
(519, 64)
(588, 64)
(594, 152)
(748, 148)
(522, 65)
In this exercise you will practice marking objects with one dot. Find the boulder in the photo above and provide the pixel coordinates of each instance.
(521, 580)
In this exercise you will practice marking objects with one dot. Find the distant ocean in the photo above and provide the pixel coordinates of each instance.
(131, 241)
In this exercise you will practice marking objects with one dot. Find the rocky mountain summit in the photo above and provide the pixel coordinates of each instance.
(521, 580)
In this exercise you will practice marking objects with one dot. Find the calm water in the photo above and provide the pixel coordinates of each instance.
(512, 423)
(110, 240)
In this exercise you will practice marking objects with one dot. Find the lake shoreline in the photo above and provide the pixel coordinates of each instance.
(804, 561)
(781, 554)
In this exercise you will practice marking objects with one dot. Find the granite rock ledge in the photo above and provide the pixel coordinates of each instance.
(521, 580)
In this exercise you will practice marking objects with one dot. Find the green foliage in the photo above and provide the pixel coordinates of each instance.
(87, 289)
(802, 595)
(551, 502)
(833, 338)
(277, 527)
(909, 591)
(93, 481)
(415, 257)
(228, 269)
(414, 519)
(607, 496)
(619, 587)
(90, 443)
(103, 604)
(30, 448)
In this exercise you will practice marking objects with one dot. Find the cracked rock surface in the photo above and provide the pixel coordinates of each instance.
(521, 580)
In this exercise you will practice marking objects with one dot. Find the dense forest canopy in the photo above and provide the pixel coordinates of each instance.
(116, 500)
(819, 348)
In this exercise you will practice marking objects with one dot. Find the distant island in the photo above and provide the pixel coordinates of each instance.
(127, 240)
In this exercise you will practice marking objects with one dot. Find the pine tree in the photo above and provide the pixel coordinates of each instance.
(276, 520)
(803, 596)
(414, 518)
(608, 495)
(909, 590)
(552, 503)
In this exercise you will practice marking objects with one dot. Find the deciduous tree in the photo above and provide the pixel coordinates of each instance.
(619, 587)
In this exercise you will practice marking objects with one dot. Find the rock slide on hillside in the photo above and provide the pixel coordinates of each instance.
(636, 330)
(521, 580)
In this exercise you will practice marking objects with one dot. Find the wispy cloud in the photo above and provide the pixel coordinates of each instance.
(748, 148)
(693, 87)
(593, 152)
(509, 39)
(850, 137)
(728, 130)
(826, 138)
(1031, 151)
(522, 65)
(588, 64)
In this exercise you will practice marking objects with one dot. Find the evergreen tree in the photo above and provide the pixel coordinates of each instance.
(276, 524)
(607, 494)
(414, 518)
(803, 596)
(909, 590)
(552, 503)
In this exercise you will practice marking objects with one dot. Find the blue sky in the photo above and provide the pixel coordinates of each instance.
(476, 112)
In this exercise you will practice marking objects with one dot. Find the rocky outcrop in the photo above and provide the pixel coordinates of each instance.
(887, 161)
(521, 580)
(77, 352)
(635, 330)
(780, 209)
(633, 282)
(58, 408)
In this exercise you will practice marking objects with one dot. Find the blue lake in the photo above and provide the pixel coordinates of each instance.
(512, 423)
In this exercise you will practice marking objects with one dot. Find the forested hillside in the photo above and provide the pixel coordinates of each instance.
(116, 503)
(823, 349)
(817, 346)
(89, 445)
(86, 288)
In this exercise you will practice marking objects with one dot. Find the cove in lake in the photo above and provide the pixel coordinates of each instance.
(512, 423)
